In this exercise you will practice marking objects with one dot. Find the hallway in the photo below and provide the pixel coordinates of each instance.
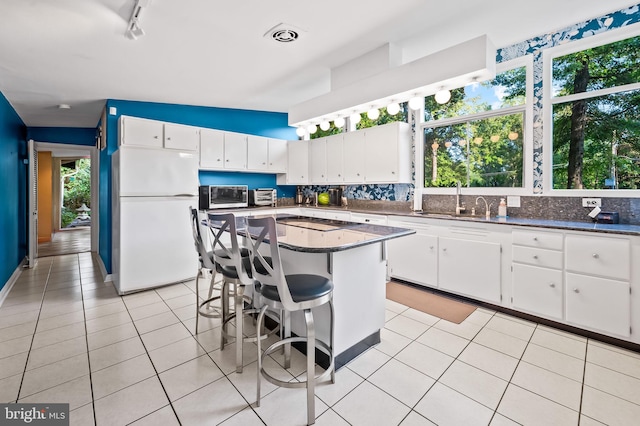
(68, 241)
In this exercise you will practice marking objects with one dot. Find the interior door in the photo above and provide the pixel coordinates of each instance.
(32, 256)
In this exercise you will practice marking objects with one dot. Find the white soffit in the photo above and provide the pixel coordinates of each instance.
(473, 60)
(371, 63)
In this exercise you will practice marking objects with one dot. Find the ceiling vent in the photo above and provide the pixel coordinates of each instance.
(284, 33)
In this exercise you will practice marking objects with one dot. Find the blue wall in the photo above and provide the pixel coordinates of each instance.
(260, 123)
(67, 135)
(13, 190)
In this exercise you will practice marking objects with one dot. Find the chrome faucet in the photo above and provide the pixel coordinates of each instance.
(487, 212)
(459, 207)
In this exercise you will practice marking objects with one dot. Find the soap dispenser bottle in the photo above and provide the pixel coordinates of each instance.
(502, 208)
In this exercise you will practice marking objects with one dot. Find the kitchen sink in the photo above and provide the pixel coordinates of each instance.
(438, 215)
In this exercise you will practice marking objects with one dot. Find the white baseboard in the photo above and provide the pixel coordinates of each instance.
(106, 277)
(12, 280)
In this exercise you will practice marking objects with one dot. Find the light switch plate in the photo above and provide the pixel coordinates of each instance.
(591, 202)
(513, 201)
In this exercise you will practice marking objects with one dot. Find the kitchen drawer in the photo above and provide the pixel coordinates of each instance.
(603, 256)
(539, 239)
(600, 304)
(537, 290)
(369, 218)
(537, 257)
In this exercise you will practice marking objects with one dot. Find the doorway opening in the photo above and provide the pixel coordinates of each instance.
(66, 209)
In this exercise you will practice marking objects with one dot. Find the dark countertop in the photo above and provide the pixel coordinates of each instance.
(624, 229)
(315, 235)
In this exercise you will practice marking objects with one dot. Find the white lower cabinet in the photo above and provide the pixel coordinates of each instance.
(537, 290)
(600, 304)
(414, 258)
(470, 268)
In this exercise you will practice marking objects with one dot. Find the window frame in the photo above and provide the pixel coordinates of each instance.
(549, 101)
(527, 145)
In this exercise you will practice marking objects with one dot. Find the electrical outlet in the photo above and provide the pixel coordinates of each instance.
(591, 202)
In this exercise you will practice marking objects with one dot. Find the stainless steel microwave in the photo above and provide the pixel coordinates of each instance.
(223, 196)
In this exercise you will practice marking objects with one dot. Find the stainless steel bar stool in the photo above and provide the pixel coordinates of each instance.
(235, 270)
(297, 292)
(206, 263)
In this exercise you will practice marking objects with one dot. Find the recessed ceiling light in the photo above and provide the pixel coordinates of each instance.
(64, 106)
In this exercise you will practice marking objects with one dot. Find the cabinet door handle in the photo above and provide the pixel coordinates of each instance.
(595, 255)
(168, 138)
(430, 247)
(535, 256)
(444, 249)
(218, 159)
(155, 137)
(576, 290)
(535, 238)
(552, 285)
(227, 160)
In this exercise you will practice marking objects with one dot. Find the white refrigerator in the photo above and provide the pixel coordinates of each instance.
(152, 242)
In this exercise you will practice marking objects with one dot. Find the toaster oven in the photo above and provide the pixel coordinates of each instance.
(262, 197)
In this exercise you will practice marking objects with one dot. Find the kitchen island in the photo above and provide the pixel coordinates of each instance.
(353, 256)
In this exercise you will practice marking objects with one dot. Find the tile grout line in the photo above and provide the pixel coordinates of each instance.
(157, 374)
(24, 371)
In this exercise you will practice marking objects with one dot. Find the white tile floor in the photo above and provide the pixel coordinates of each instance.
(67, 337)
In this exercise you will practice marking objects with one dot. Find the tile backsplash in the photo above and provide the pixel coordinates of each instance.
(538, 207)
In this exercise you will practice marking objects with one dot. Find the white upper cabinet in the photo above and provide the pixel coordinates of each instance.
(277, 155)
(387, 153)
(318, 160)
(257, 153)
(235, 151)
(335, 159)
(222, 150)
(157, 134)
(141, 132)
(298, 161)
(211, 149)
(353, 155)
(177, 136)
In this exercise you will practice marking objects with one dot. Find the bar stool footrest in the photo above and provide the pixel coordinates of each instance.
(217, 312)
(318, 379)
(252, 338)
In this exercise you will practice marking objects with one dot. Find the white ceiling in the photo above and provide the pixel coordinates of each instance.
(213, 53)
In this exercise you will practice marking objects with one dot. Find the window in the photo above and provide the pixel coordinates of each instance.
(477, 137)
(384, 117)
(596, 117)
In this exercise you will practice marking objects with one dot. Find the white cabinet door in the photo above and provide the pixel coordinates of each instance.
(298, 163)
(257, 153)
(388, 153)
(353, 154)
(318, 161)
(183, 138)
(599, 304)
(141, 132)
(335, 159)
(211, 149)
(381, 154)
(537, 290)
(596, 255)
(471, 268)
(235, 151)
(414, 258)
(277, 155)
